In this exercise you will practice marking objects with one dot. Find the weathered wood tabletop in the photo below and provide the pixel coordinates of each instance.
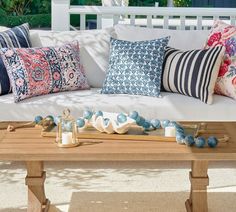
(28, 145)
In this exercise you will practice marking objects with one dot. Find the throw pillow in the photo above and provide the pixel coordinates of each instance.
(135, 67)
(17, 37)
(224, 34)
(192, 73)
(94, 49)
(39, 71)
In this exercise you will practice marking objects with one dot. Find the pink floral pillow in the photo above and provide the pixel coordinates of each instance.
(224, 34)
(39, 71)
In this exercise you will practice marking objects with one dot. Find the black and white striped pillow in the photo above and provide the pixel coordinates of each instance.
(17, 37)
(192, 73)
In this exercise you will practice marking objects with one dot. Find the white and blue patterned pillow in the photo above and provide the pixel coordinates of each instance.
(135, 67)
(17, 37)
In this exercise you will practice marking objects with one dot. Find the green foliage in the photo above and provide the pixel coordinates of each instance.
(86, 2)
(35, 21)
(41, 6)
(16, 7)
(182, 3)
(25, 7)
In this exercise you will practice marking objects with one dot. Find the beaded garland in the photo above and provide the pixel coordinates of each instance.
(181, 137)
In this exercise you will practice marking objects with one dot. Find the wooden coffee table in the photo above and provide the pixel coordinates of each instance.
(27, 145)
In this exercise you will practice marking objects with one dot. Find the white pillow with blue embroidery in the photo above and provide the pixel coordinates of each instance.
(17, 37)
(135, 67)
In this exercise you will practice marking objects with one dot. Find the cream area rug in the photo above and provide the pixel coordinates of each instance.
(118, 187)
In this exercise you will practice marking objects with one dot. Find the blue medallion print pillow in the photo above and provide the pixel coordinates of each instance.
(135, 67)
(17, 37)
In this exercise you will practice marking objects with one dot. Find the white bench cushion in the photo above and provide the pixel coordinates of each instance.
(180, 39)
(170, 106)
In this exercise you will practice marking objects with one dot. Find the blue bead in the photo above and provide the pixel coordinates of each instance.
(156, 123)
(106, 121)
(180, 138)
(134, 115)
(146, 125)
(200, 142)
(88, 114)
(80, 122)
(164, 123)
(179, 129)
(140, 121)
(38, 119)
(189, 140)
(99, 113)
(212, 142)
(121, 118)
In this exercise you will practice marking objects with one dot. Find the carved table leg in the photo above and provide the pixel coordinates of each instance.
(199, 182)
(35, 178)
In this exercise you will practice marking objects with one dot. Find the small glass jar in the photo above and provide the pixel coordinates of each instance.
(67, 130)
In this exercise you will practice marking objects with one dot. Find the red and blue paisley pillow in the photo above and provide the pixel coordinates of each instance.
(39, 71)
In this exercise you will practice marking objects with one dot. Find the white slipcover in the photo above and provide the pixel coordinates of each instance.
(170, 106)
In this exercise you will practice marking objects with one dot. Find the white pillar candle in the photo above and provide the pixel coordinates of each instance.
(170, 131)
(67, 138)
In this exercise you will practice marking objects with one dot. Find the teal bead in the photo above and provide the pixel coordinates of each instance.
(121, 118)
(141, 121)
(38, 119)
(200, 142)
(51, 118)
(212, 142)
(180, 138)
(99, 113)
(138, 120)
(173, 124)
(80, 122)
(156, 123)
(147, 125)
(88, 114)
(179, 129)
(134, 115)
(189, 140)
(164, 123)
(106, 121)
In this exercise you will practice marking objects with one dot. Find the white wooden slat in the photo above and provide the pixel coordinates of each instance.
(199, 22)
(149, 21)
(60, 15)
(82, 22)
(62, 8)
(116, 19)
(132, 20)
(192, 27)
(232, 20)
(99, 21)
(182, 22)
(216, 17)
(166, 22)
(160, 11)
